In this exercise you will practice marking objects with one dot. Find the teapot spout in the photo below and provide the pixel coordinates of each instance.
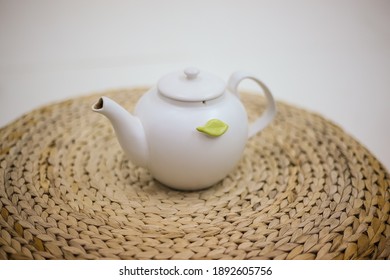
(128, 129)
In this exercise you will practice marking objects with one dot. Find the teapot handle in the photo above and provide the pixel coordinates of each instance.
(262, 121)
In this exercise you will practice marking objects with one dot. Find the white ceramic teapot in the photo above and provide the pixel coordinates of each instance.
(190, 130)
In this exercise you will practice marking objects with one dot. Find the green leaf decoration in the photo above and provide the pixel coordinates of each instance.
(213, 127)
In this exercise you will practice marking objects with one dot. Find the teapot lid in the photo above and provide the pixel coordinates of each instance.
(191, 85)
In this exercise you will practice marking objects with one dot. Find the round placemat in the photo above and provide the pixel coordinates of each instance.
(304, 189)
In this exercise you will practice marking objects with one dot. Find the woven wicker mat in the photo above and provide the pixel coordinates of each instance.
(303, 190)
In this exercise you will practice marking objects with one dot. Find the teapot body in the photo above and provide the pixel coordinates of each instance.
(182, 157)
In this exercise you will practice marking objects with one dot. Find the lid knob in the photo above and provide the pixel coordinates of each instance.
(191, 73)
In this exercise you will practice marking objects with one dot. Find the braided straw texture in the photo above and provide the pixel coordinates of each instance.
(303, 190)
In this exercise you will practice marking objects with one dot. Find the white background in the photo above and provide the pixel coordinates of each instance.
(331, 57)
(281, 269)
